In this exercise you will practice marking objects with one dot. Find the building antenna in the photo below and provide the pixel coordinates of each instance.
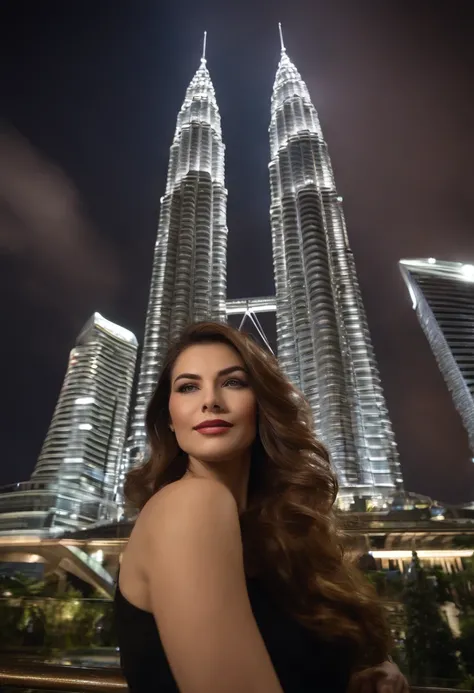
(203, 59)
(283, 49)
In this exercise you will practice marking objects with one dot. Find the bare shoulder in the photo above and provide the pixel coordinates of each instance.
(189, 504)
(207, 493)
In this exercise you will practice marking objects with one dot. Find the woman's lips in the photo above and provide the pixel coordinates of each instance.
(213, 430)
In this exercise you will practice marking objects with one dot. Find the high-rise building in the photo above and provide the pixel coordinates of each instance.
(323, 339)
(78, 473)
(188, 280)
(443, 298)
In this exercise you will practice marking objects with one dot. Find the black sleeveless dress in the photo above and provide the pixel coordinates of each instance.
(303, 663)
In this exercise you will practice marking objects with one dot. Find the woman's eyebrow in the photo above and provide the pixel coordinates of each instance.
(224, 371)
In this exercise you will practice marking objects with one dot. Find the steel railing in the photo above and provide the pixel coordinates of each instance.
(41, 676)
(59, 678)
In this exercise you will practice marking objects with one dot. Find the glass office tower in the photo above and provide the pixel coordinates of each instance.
(323, 339)
(442, 294)
(78, 473)
(188, 280)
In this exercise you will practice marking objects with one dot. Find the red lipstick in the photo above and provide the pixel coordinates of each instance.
(213, 426)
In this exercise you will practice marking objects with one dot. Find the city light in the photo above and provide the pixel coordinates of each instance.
(84, 400)
(424, 553)
(468, 271)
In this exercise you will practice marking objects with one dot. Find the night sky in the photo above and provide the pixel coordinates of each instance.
(89, 94)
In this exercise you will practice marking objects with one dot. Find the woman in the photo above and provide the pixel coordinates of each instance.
(234, 580)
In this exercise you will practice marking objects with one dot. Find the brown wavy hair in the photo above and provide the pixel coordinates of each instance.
(290, 532)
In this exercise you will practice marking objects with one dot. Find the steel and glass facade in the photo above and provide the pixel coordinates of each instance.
(442, 295)
(323, 342)
(79, 469)
(323, 339)
(189, 266)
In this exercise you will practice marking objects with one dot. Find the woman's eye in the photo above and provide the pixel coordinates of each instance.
(185, 388)
(235, 382)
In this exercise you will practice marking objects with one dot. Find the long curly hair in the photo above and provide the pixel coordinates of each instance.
(291, 536)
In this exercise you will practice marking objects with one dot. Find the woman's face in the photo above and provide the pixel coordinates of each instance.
(209, 382)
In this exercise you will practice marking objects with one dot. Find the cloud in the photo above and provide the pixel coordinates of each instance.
(45, 234)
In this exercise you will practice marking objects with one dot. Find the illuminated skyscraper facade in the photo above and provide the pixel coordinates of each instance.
(323, 339)
(78, 472)
(189, 267)
(442, 294)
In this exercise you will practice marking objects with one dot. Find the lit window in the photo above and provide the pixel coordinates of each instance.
(85, 400)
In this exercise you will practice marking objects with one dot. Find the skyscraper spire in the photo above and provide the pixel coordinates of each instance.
(282, 43)
(188, 280)
(322, 335)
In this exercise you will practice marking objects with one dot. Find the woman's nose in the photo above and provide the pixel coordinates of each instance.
(211, 401)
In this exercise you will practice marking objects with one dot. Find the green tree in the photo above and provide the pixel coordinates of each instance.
(463, 584)
(443, 585)
(466, 642)
(429, 644)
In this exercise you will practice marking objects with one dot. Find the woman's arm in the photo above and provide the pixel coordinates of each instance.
(198, 592)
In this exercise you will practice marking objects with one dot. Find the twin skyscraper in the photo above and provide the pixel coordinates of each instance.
(323, 341)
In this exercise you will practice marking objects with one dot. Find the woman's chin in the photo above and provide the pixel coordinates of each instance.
(216, 454)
